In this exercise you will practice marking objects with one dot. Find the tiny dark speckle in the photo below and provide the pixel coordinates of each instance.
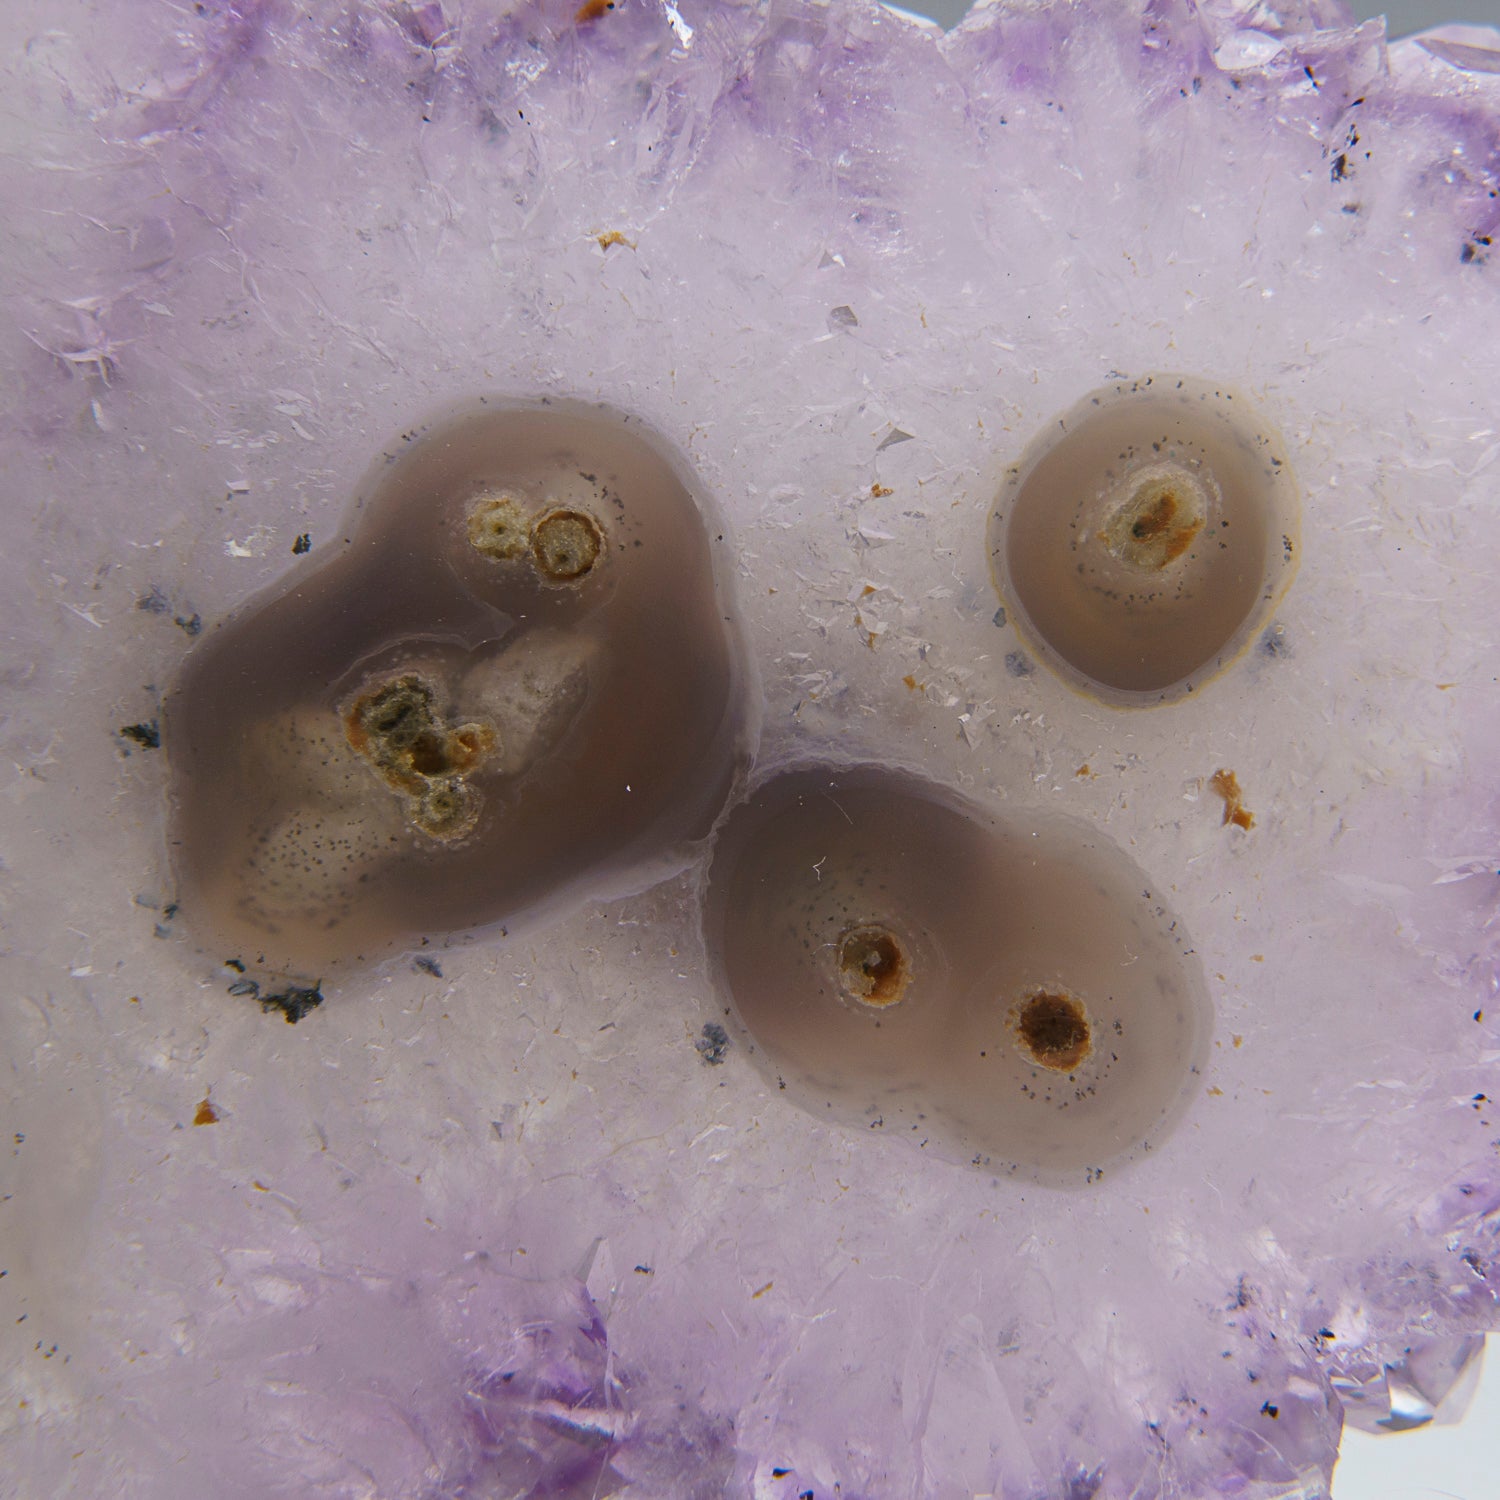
(1000, 617)
(1018, 664)
(1270, 1411)
(146, 735)
(428, 966)
(713, 1045)
(302, 544)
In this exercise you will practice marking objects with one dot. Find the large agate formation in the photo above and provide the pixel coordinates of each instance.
(845, 678)
(515, 675)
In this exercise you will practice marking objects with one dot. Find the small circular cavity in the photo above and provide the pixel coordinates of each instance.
(499, 528)
(1052, 1030)
(873, 966)
(881, 938)
(1143, 549)
(447, 808)
(565, 545)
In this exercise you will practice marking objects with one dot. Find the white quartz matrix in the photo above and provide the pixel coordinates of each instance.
(506, 1222)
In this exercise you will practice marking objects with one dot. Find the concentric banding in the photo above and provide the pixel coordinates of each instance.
(1142, 544)
(1011, 993)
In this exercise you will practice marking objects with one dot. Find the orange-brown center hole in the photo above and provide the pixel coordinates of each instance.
(873, 966)
(1054, 1031)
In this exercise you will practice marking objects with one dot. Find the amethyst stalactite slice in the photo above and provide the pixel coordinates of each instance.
(530, 1213)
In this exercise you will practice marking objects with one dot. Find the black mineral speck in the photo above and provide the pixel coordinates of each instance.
(1018, 664)
(428, 966)
(294, 1002)
(302, 544)
(146, 734)
(713, 1045)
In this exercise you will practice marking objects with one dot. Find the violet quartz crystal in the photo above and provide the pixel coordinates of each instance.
(518, 1213)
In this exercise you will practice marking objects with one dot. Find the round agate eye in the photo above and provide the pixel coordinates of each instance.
(517, 683)
(1011, 993)
(1142, 544)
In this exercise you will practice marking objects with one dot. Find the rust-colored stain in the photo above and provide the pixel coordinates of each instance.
(591, 10)
(1161, 524)
(910, 681)
(207, 1114)
(1227, 785)
(762, 1292)
(1154, 527)
(1083, 770)
(613, 236)
(880, 491)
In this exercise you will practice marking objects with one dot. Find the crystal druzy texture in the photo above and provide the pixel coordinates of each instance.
(519, 1216)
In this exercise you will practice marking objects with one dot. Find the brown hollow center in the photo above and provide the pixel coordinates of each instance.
(873, 966)
(565, 544)
(1053, 1031)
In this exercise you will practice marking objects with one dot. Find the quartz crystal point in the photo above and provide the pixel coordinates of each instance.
(521, 1216)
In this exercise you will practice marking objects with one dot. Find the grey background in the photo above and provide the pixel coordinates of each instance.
(1402, 16)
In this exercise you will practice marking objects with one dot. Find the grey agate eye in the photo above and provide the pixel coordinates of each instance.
(1008, 993)
(516, 682)
(1144, 548)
